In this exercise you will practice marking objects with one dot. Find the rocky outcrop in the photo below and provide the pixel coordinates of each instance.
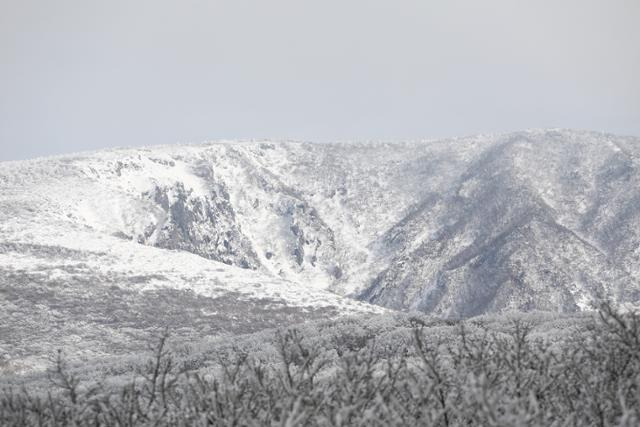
(205, 226)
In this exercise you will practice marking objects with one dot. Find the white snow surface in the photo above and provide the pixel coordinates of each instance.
(542, 219)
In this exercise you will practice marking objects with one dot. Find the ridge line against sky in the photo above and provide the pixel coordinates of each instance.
(197, 144)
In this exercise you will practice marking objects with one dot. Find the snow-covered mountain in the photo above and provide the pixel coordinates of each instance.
(232, 233)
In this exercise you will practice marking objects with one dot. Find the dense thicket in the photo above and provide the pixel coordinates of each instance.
(475, 374)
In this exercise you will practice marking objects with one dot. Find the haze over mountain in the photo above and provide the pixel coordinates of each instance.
(232, 237)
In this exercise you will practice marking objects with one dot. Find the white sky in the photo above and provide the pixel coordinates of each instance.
(85, 74)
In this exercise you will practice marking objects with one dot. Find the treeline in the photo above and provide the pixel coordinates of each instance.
(474, 374)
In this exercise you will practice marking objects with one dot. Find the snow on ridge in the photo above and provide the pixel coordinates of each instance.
(320, 214)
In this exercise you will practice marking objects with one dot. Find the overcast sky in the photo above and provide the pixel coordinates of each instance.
(80, 75)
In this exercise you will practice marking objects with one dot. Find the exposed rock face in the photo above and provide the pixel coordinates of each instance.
(546, 220)
(205, 226)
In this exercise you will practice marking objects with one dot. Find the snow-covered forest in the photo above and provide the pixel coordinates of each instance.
(382, 370)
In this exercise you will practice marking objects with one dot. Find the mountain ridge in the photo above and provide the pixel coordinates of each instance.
(537, 220)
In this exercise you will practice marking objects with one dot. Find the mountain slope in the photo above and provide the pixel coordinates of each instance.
(545, 220)
(510, 234)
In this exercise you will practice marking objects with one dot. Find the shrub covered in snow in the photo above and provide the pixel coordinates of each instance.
(385, 370)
